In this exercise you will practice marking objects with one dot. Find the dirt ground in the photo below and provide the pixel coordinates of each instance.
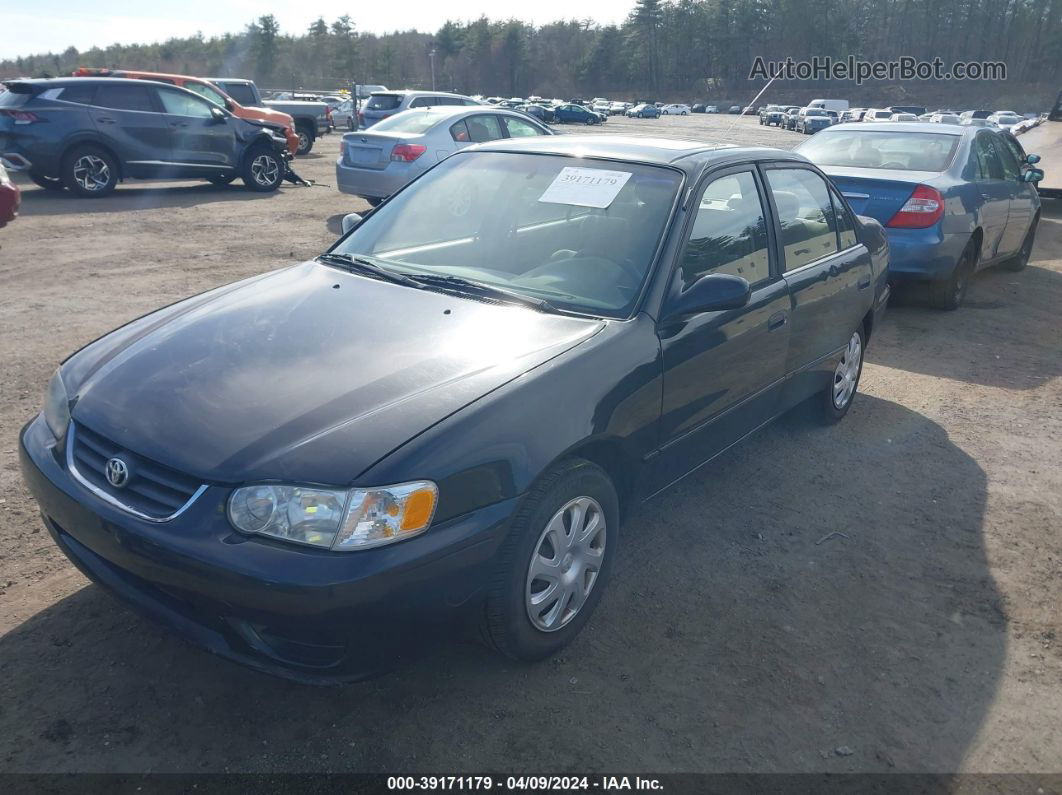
(733, 637)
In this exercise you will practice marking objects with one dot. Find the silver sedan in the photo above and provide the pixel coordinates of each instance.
(375, 163)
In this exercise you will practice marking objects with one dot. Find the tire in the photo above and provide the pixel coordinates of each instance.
(262, 169)
(305, 138)
(948, 294)
(221, 179)
(684, 113)
(1020, 260)
(48, 183)
(89, 172)
(832, 404)
(538, 528)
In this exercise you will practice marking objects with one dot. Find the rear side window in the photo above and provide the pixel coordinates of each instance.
(180, 104)
(805, 215)
(459, 132)
(988, 162)
(82, 94)
(413, 123)
(483, 128)
(122, 96)
(845, 223)
(383, 102)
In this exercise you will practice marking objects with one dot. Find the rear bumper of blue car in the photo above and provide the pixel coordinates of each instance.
(923, 254)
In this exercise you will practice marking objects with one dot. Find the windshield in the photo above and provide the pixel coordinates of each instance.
(896, 151)
(579, 233)
(814, 112)
(410, 121)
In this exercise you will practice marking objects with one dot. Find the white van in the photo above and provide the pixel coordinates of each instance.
(839, 105)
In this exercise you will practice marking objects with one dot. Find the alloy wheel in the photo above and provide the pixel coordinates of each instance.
(565, 564)
(92, 173)
(847, 373)
(265, 169)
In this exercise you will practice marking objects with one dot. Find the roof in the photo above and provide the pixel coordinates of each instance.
(641, 149)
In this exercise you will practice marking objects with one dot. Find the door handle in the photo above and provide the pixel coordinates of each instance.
(864, 283)
(106, 120)
(777, 320)
(179, 124)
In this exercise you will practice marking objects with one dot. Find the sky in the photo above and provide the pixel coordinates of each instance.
(27, 28)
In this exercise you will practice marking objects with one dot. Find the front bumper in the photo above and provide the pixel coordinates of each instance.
(292, 611)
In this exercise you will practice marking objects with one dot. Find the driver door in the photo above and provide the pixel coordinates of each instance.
(723, 371)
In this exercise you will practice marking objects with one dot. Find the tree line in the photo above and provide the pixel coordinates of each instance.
(677, 49)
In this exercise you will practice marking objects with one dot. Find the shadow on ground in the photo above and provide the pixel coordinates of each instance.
(136, 196)
(1005, 346)
(810, 601)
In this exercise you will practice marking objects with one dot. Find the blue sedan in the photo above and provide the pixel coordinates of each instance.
(576, 113)
(952, 199)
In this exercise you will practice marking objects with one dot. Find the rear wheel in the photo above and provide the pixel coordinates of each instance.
(263, 169)
(555, 563)
(1020, 260)
(305, 138)
(948, 294)
(830, 405)
(89, 172)
(48, 183)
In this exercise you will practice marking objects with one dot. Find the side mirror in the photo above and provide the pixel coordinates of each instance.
(1032, 160)
(1033, 175)
(350, 221)
(218, 114)
(712, 293)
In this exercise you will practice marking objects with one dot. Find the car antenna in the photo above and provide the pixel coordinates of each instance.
(731, 127)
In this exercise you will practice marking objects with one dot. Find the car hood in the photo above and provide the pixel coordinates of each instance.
(271, 116)
(309, 374)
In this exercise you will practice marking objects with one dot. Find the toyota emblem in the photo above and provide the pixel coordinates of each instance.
(117, 472)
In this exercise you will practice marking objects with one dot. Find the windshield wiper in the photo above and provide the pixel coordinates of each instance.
(468, 286)
(357, 264)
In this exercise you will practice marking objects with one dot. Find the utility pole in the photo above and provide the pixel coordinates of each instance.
(431, 55)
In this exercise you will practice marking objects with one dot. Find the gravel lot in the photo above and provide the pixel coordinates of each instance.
(927, 638)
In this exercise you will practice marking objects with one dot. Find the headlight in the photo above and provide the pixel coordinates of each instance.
(57, 407)
(339, 519)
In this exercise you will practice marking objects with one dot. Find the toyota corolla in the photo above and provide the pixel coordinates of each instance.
(442, 421)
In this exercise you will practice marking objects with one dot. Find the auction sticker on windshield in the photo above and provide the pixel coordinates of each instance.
(585, 187)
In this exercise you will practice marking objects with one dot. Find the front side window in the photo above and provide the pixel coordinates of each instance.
(181, 104)
(805, 215)
(207, 93)
(124, 96)
(518, 128)
(578, 233)
(729, 232)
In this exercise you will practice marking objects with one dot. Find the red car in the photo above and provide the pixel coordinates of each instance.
(10, 198)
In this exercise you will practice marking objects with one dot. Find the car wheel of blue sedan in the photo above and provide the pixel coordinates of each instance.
(948, 294)
(1021, 259)
(555, 562)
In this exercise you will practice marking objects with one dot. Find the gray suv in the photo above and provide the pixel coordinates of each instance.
(86, 135)
(382, 104)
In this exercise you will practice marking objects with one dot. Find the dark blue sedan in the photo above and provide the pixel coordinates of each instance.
(442, 419)
(953, 199)
(577, 114)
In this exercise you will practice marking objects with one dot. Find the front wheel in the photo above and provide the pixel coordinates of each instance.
(555, 563)
(263, 169)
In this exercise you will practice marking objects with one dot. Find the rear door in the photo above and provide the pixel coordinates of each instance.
(129, 120)
(826, 268)
(198, 141)
(723, 370)
(994, 192)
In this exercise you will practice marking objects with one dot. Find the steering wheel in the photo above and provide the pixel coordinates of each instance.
(625, 264)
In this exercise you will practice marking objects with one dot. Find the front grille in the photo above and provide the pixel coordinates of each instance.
(153, 490)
